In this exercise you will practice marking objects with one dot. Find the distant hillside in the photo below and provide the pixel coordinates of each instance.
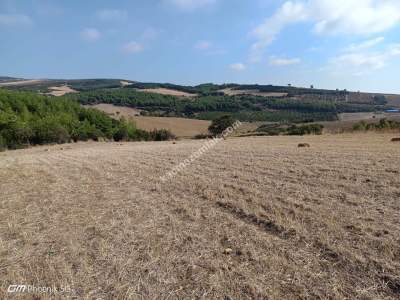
(246, 102)
(6, 78)
(45, 85)
(230, 89)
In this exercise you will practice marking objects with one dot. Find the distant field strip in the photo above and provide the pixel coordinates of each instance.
(20, 82)
(165, 91)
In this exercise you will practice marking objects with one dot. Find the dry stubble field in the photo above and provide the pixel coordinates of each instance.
(256, 218)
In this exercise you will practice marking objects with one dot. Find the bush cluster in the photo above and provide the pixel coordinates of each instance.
(276, 129)
(383, 124)
(305, 129)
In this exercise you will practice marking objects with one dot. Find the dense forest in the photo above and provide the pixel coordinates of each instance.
(31, 119)
(242, 107)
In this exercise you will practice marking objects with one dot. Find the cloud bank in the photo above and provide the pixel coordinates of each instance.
(328, 17)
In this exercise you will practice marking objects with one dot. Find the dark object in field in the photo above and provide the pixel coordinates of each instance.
(304, 145)
(395, 139)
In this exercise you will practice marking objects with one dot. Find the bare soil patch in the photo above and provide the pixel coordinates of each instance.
(61, 90)
(125, 83)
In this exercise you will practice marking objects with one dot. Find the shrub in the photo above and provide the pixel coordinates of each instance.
(3, 144)
(305, 129)
(162, 135)
(360, 126)
(220, 124)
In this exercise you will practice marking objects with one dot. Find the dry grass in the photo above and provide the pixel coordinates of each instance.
(256, 218)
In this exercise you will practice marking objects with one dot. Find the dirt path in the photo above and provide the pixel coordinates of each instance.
(254, 218)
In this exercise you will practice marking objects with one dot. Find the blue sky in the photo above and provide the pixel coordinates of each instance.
(353, 44)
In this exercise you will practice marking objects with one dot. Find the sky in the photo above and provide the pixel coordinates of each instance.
(345, 44)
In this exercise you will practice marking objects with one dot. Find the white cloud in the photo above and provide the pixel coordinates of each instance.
(266, 32)
(238, 67)
(112, 15)
(190, 5)
(132, 47)
(15, 20)
(361, 60)
(90, 34)
(354, 16)
(347, 17)
(203, 45)
(280, 62)
(365, 62)
(365, 45)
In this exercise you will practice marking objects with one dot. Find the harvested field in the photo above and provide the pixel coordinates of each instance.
(181, 127)
(347, 120)
(360, 116)
(393, 100)
(255, 218)
(164, 91)
(116, 111)
(232, 92)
